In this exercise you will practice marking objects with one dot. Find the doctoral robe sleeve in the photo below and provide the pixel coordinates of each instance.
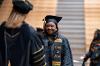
(37, 52)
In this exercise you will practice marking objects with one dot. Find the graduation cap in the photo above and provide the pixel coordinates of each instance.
(22, 6)
(51, 18)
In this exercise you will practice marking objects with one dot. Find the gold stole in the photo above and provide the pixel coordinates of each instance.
(57, 63)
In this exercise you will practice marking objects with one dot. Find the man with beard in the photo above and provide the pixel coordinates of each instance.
(19, 44)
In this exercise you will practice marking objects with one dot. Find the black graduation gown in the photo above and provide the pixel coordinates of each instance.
(66, 58)
(22, 49)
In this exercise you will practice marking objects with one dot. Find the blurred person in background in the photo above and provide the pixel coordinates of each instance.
(94, 51)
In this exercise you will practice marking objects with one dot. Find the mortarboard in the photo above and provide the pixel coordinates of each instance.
(51, 18)
(22, 6)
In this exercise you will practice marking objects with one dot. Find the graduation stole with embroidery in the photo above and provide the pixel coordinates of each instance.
(56, 59)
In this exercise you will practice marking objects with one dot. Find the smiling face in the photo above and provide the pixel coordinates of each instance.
(50, 27)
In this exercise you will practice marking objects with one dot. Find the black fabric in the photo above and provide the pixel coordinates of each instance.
(83, 64)
(2, 48)
(39, 29)
(96, 53)
(94, 50)
(51, 18)
(23, 49)
(66, 56)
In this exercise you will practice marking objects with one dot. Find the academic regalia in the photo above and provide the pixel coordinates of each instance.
(51, 18)
(57, 48)
(66, 56)
(40, 33)
(94, 50)
(20, 46)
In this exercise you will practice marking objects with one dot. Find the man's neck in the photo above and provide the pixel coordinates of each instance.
(13, 25)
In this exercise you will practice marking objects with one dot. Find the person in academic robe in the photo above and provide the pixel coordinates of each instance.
(19, 43)
(94, 50)
(57, 47)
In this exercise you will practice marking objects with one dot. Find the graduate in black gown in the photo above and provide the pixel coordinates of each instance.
(19, 44)
(57, 47)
